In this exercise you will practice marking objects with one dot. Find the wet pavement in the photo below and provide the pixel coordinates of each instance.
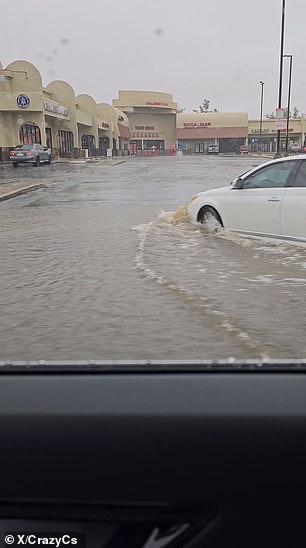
(102, 263)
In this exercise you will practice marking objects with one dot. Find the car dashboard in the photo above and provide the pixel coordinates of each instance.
(153, 454)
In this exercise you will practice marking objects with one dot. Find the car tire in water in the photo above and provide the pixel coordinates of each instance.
(208, 215)
(37, 162)
(15, 164)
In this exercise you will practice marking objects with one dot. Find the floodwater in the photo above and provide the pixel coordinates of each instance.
(105, 264)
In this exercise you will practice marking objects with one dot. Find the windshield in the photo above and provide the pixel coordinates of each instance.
(110, 247)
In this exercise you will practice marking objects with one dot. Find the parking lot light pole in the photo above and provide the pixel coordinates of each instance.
(261, 105)
(281, 69)
(289, 97)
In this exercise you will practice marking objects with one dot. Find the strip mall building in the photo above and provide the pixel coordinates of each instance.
(195, 132)
(54, 116)
(137, 122)
(152, 117)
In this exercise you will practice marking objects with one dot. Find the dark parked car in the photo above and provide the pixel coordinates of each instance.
(30, 154)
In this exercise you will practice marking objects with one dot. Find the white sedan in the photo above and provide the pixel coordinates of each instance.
(269, 200)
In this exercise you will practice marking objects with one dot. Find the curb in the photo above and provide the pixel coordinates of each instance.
(20, 191)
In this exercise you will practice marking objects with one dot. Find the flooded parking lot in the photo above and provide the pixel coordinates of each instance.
(104, 264)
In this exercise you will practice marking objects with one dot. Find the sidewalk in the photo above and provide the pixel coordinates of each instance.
(12, 189)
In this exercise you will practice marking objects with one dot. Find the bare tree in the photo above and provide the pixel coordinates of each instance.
(204, 107)
(271, 115)
(296, 113)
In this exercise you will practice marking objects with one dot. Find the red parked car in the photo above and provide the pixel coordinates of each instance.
(243, 149)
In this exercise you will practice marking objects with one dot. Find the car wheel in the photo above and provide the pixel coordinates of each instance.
(37, 162)
(15, 164)
(49, 160)
(208, 215)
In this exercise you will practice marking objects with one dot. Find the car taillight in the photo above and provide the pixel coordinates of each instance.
(29, 153)
(12, 153)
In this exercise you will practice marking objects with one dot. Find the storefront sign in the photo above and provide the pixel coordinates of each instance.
(196, 124)
(157, 104)
(56, 108)
(283, 130)
(23, 101)
(104, 125)
(264, 130)
(150, 128)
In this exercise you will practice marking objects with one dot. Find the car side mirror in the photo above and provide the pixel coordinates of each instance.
(238, 183)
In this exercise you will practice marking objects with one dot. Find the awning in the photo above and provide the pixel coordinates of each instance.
(124, 131)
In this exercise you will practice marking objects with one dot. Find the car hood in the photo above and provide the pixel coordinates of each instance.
(217, 191)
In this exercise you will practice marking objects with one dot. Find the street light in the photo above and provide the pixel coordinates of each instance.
(261, 105)
(289, 96)
(281, 68)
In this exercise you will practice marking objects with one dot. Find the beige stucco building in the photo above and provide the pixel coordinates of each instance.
(268, 142)
(71, 126)
(196, 131)
(152, 119)
(230, 131)
(137, 122)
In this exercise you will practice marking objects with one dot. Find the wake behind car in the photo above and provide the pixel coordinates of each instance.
(269, 200)
(30, 154)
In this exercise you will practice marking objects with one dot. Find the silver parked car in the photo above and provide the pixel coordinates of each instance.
(30, 154)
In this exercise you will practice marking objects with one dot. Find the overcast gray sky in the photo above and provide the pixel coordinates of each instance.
(218, 49)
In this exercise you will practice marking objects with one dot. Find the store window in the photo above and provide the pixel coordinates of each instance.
(201, 148)
(29, 134)
(157, 144)
(65, 144)
(231, 144)
(88, 141)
